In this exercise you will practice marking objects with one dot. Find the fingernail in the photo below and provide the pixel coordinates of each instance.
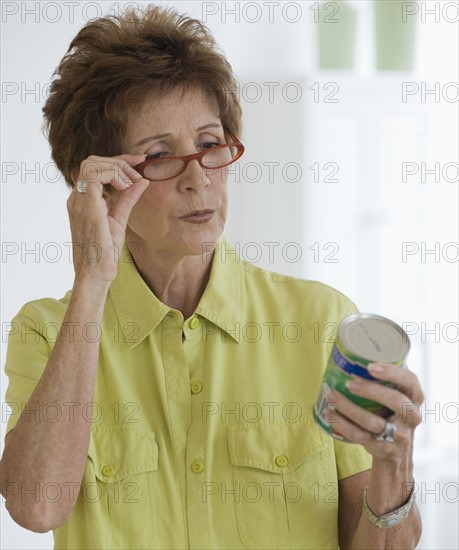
(353, 384)
(375, 367)
(134, 174)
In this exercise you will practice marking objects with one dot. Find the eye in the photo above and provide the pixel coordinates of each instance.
(152, 156)
(209, 144)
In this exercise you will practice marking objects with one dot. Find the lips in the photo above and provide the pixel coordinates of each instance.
(198, 216)
(197, 213)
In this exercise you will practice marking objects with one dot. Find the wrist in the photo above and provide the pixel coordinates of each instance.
(88, 283)
(393, 517)
(397, 468)
(389, 488)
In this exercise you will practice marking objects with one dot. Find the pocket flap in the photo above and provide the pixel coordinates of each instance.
(119, 452)
(275, 446)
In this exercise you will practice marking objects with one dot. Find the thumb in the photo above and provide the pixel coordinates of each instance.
(120, 206)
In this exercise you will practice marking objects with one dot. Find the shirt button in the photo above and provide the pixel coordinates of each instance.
(197, 466)
(194, 323)
(196, 387)
(108, 470)
(281, 461)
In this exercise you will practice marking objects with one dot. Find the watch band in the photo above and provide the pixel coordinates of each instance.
(391, 518)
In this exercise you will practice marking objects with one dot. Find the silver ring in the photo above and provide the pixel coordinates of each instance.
(388, 433)
(82, 186)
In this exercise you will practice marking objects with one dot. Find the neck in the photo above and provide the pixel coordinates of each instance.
(178, 281)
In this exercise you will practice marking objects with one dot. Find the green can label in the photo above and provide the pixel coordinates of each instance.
(342, 366)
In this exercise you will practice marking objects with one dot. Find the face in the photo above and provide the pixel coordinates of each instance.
(178, 124)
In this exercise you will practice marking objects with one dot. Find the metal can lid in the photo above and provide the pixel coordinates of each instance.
(373, 337)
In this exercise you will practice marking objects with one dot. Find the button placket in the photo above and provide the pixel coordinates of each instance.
(198, 521)
(196, 386)
(197, 466)
(197, 476)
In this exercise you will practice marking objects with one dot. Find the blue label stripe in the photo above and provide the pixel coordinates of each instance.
(349, 366)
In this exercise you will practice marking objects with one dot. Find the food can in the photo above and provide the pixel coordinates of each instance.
(362, 338)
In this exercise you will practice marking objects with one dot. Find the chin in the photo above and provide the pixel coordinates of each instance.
(197, 242)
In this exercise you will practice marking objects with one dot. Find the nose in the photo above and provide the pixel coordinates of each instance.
(194, 177)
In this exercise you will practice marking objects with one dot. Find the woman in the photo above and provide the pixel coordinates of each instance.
(162, 417)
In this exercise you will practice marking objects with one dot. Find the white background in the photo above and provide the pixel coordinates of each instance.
(364, 218)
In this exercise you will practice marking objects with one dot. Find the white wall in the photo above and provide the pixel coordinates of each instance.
(422, 291)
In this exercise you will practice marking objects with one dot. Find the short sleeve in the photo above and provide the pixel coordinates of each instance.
(350, 459)
(26, 358)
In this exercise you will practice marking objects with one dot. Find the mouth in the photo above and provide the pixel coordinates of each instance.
(198, 216)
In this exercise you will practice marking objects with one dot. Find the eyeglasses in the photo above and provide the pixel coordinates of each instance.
(165, 168)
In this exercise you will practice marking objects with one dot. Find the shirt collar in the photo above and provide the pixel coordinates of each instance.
(223, 303)
(224, 299)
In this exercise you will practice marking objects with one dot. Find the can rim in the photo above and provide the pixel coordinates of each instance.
(363, 316)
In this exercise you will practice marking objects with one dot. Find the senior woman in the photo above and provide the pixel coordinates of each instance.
(159, 417)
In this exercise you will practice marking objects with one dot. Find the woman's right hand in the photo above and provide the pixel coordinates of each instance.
(98, 219)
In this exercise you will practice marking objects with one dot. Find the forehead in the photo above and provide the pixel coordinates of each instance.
(172, 112)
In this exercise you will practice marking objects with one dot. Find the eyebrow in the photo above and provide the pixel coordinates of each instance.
(160, 136)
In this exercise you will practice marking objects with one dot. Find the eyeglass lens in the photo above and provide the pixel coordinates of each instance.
(167, 168)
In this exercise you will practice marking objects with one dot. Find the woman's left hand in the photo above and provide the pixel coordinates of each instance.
(390, 482)
(360, 426)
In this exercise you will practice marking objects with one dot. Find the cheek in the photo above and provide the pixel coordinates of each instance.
(152, 200)
(149, 211)
(219, 181)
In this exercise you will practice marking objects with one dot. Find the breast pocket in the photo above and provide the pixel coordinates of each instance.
(125, 463)
(285, 476)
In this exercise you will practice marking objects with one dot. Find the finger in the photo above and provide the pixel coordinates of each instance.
(358, 415)
(125, 170)
(389, 397)
(402, 377)
(117, 171)
(132, 160)
(344, 427)
(125, 201)
(109, 175)
(353, 427)
(356, 434)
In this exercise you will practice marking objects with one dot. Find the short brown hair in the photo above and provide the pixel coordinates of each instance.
(113, 63)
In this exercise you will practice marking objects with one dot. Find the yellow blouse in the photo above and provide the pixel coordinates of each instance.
(202, 434)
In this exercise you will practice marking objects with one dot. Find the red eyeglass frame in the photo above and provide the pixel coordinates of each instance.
(196, 156)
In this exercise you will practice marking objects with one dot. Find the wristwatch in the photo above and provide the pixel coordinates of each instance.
(391, 518)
